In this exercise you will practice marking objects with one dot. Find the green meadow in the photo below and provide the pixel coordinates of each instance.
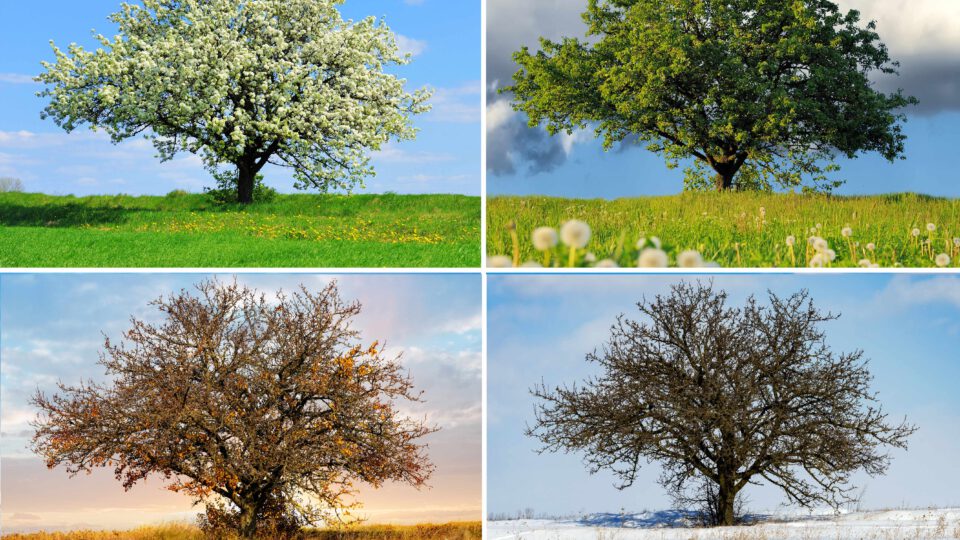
(190, 230)
(737, 229)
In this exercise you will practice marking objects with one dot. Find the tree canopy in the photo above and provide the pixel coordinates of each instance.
(267, 410)
(242, 83)
(760, 93)
(722, 397)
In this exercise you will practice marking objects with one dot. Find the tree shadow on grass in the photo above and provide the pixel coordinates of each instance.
(63, 215)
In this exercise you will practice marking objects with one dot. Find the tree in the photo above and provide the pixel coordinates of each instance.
(242, 83)
(764, 89)
(723, 397)
(243, 399)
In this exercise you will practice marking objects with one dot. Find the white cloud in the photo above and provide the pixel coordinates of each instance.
(16, 78)
(911, 27)
(408, 45)
(904, 291)
(499, 114)
(390, 153)
(459, 104)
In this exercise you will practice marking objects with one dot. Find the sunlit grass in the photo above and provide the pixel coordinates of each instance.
(189, 230)
(735, 230)
(468, 530)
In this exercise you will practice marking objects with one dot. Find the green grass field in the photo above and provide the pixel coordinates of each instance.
(737, 229)
(189, 230)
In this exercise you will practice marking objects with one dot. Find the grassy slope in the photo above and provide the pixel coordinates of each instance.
(470, 530)
(189, 231)
(728, 227)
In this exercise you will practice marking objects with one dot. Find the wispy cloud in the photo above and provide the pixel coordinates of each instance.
(16, 78)
(408, 45)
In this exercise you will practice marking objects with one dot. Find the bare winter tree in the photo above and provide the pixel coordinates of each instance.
(722, 397)
(268, 410)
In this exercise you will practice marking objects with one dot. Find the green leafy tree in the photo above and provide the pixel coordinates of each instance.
(759, 93)
(242, 83)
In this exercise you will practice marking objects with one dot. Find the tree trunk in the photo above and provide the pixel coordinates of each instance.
(246, 177)
(723, 182)
(248, 521)
(726, 503)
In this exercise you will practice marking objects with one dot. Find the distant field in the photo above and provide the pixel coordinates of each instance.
(739, 229)
(189, 230)
(470, 530)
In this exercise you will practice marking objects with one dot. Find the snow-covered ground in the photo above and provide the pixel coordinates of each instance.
(931, 524)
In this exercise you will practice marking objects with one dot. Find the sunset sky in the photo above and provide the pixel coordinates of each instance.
(51, 329)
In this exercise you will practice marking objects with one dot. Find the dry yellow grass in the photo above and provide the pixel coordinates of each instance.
(467, 530)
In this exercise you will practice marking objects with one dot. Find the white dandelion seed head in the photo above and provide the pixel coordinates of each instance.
(864, 263)
(956, 242)
(943, 260)
(499, 261)
(655, 240)
(641, 242)
(575, 233)
(653, 258)
(607, 263)
(915, 232)
(847, 232)
(690, 259)
(590, 258)
(931, 227)
(791, 240)
(544, 238)
(819, 260)
(820, 244)
(531, 264)
(874, 265)
(871, 246)
(831, 254)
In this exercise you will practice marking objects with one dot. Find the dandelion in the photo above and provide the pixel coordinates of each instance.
(846, 232)
(499, 261)
(871, 246)
(641, 242)
(575, 234)
(831, 254)
(544, 238)
(915, 232)
(956, 242)
(864, 263)
(606, 263)
(792, 241)
(943, 260)
(819, 260)
(931, 227)
(874, 265)
(690, 259)
(820, 244)
(590, 258)
(531, 264)
(653, 258)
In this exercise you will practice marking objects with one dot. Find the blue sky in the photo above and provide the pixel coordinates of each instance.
(540, 328)
(444, 37)
(924, 35)
(52, 328)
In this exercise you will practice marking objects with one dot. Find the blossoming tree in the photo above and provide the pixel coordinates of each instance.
(269, 411)
(242, 83)
(758, 93)
(723, 397)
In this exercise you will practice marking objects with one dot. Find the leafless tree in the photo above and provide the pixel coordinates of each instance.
(259, 406)
(722, 397)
